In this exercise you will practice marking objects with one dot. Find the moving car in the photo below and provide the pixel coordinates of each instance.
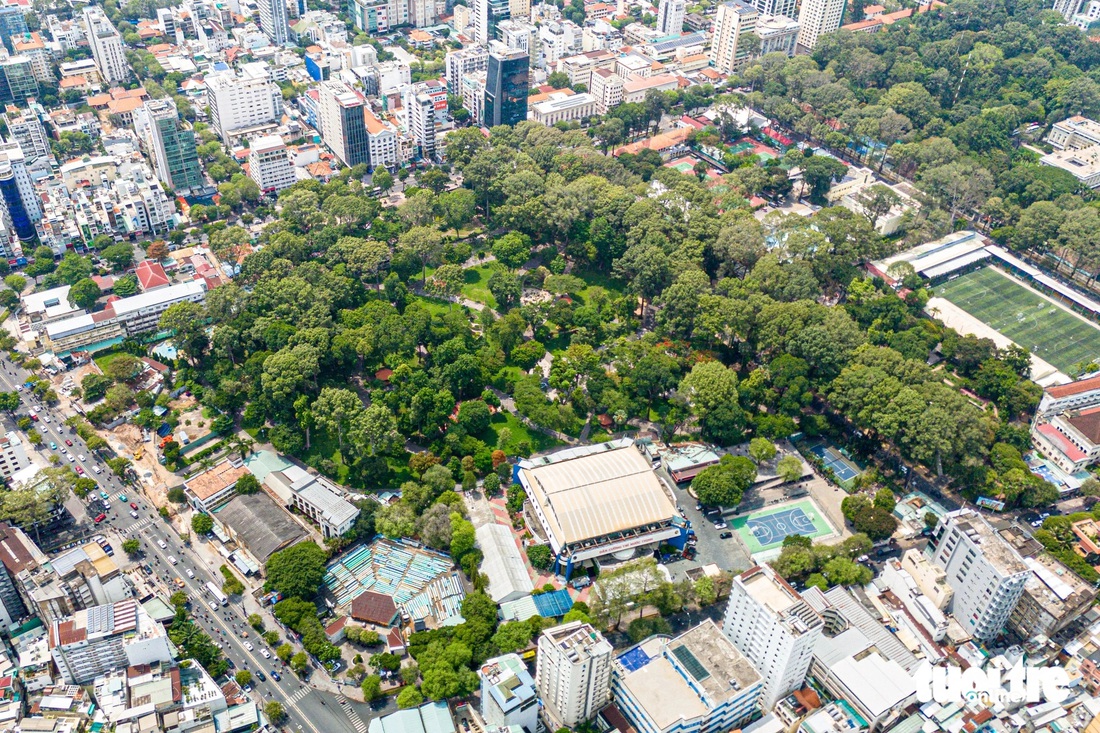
(100, 518)
(172, 559)
(104, 495)
(81, 457)
(162, 544)
(68, 442)
(261, 675)
(248, 646)
(720, 525)
(133, 505)
(190, 573)
(122, 498)
(79, 471)
(266, 653)
(97, 469)
(53, 445)
(275, 675)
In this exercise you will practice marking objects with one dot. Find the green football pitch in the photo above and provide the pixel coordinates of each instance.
(1048, 330)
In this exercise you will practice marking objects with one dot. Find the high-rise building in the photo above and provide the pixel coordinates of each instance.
(106, 45)
(243, 103)
(96, 640)
(273, 21)
(269, 165)
(1068, 8)
(818, 17)
(480, 22)
(775, 628)
(777, 34)
(18, 553)
(343, 127)
(27, 130)
(508, 694)
(787, 8)
(734, 20)
(573, 673)
(422, 125)
(422, 13)
(17, 80)
(462, 62)
(670, 17)
(172, 148)
(506, 88)
(383, 141)
(519, 9)
(17, 190)
(13, 23)
(986, 573)
(12, 455)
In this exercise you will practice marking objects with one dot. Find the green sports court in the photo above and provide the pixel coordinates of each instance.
(1049, 331)
(766, 529)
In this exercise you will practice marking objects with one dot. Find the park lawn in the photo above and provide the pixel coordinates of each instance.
(597, 279)
(476, 284)
(433, 306)
(401, 472)
(103, 358)
(322, 446)
(520, 432)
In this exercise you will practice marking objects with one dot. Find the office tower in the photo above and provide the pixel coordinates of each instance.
(775, 628)
(986, 573)
(13, 24)
(27, 130)
(106, 45)
(17, 82)
(519, 9)
(734, 20)
(273, 21)
(170, 146)
(18, 192)
(343, 128)
(670, 17)
(422, 125)
(269, 165)
(787, 8)
(818, 17)
(243, 102)
(506, 88)
(573, 673)
(96, 640)
(508, 695)
(462, 62)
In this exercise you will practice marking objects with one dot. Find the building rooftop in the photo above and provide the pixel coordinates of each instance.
(591, 494)
(216, 479)
(580, 638)
(1081, 386)
(877, 683)
(262, 525)
(53, 302)
(1054, 586)
(1082, 162)
(508, 682)
(994, 548)
(432, 717)
(375, 608)
(503, 563)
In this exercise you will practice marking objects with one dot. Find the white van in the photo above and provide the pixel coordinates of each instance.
(172, 559)
(97, 469)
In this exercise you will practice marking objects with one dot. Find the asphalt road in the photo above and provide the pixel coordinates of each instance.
(307, 709)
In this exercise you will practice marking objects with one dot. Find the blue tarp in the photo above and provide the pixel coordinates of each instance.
(555, 603)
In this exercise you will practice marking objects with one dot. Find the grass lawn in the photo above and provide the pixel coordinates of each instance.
(433, 306)
(103, 358)
(520, 432)
(596, 279)
(325, 447)
(476, 285)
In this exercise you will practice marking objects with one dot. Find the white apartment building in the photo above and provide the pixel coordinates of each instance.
(33, 47)
(422, 125)
(777, 34)
(508, 694)
(786, 8)
(816, 18)
(274, 21)
(573, 673)
(316, 497)
(106, 45)
(65, 32)
(670, 17)
(558, 39)
(579, 68)
(26, 129)
(479, 20)
(243, 104)
(383, 141)
(519, 35)
(269, 165)
(986, 573)
(96, 640)
(463, 62)
(775, 628)
(12, 455)
(734, 19)
(422, 13)
(607, 88)
(563, 107)
(461, 18)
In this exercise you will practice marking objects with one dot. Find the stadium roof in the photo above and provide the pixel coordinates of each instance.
(596, 491)
(503, 563)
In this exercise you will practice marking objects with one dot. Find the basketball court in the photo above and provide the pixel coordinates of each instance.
(766, 529)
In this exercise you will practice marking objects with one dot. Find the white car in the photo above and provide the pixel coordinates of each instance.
(190, 573)
(133, 514)
(266, 653)
(46, 418)
(162, 544)
(720, 525)
(172, 559)
(71, 457)
(248, 645)
(97, 469)
(81, 457)
(213, 606)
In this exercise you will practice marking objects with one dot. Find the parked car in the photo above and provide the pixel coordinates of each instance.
(720, 525)
(100, 518)
(725, 535)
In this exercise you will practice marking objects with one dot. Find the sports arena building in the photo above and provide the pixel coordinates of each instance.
(600, 500)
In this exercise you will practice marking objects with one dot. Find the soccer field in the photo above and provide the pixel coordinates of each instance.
(1048, 330)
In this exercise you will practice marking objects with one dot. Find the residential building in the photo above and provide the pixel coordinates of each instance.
(607, 88)
(33, 47)
(208, 490)
(422, 125)
(462, 62)
(786, 8)
(518, 9)
(172, 148)
(13, 24)
(370, 16)
(67, 33)
(986, 573)
(383, 141)
(1077, 395)
(460, 20)
(506, 89)
(670, 17)
(692, 683)
(580, 68)
(422, 13)
(573, 673)
(775, 628)
(480, 18)
(1054, 597)
(13, 457)
(1067, 8)
(777, 34)
(508, 694)
(269, 165)
(17, 191)
(26, 129)
(97, 640)
(106, 44)
(343, 128)
(734, 19)
(562, 107)
(315, 497)
(274, 21)
(17, 81)
(244, 104)
(816, 18)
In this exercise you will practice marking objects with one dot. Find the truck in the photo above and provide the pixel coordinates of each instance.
(216, 593)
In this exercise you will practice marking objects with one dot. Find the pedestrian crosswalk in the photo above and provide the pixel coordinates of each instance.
(299, 694)
(356, 721)
(138, 526)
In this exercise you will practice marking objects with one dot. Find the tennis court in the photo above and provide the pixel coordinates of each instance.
(842, 468)
(1049, 331)
(766, 529)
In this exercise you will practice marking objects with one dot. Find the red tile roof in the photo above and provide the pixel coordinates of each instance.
(1072, 452)
(1079, 387)
(151, 275)
(375, 608)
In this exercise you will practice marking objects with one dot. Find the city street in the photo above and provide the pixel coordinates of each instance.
(307, 709)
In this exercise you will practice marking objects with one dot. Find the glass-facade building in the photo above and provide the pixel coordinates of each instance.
(17, 81)
(9, 190)
(506, 88)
